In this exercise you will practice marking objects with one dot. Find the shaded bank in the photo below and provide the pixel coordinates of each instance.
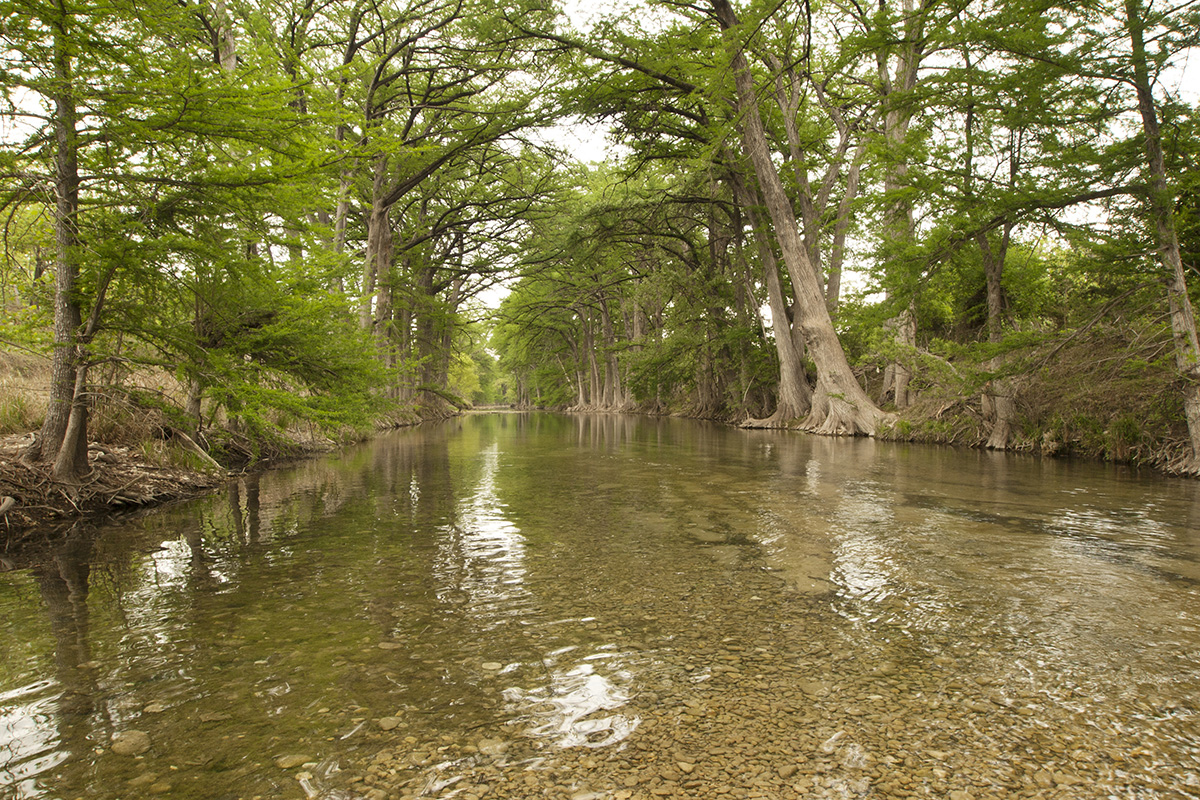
(121, 479)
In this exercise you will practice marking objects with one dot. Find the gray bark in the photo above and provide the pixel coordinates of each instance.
(794, 400)
(67, 313)
(840, 406)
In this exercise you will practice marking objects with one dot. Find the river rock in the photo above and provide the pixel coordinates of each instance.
(130, 743)
(292, 760)
(493, 747)
(389, 723)
(492, 666)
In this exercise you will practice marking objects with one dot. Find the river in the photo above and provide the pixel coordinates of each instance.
(591, 607)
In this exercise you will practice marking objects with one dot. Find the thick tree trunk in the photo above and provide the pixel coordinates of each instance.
(612, 370)
(840, 406)
(898, 223)
(1183, 318)
(70, 463)
(589, 349)
(897, 375)
(226, 40)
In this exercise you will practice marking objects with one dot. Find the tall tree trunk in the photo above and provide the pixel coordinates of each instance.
(896, 377)
(837, 251)
(612, 370)
(793, 394)
(840, 406)
(70, 463)
(898, 224)
(1183, 318)
(999, 391)
(226, 41)
(379, 244)
(67, 313)
(589, 347)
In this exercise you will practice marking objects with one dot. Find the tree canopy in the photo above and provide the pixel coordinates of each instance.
(970, 222)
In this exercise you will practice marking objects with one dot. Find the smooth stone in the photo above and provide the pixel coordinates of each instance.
(390, 645)
(492, 666)
(389, 723)
(154, 708)
(292, 760)
(493, 747)
(130, 743)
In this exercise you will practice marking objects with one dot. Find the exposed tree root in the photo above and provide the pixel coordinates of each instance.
(774, 422)
(832, 415)
(784, 417)
(119, 479)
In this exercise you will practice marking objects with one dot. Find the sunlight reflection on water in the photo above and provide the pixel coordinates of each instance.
(554, 594)
(565, 710)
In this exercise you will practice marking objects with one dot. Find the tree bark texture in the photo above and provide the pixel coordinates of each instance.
(840, 406)
(898, 222)
(68, 316)
(794, 396)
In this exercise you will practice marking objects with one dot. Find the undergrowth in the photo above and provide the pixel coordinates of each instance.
(1109, 393)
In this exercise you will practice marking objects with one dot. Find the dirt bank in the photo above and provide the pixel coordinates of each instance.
(122, 478)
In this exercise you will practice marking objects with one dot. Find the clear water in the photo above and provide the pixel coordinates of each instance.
(534, 591)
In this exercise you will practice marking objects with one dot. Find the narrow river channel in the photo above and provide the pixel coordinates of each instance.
(607, 607)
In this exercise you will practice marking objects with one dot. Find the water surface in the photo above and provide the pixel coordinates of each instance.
(604, 606)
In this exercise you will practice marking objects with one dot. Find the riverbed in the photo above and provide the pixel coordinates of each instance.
(588, 607)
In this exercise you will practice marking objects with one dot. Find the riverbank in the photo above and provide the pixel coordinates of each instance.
(151, 473)
(122, 478)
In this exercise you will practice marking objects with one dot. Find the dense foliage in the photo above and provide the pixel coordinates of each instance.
(955, 222)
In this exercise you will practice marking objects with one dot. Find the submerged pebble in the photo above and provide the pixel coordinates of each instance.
(130, 743)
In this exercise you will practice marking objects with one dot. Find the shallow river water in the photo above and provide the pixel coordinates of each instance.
(588, 607)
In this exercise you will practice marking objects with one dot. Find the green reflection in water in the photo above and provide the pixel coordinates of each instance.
(567, 580)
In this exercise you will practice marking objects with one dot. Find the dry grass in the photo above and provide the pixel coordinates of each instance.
(23, 390)
(1109, 393)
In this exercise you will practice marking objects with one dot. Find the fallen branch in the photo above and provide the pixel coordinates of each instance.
(197, 450)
